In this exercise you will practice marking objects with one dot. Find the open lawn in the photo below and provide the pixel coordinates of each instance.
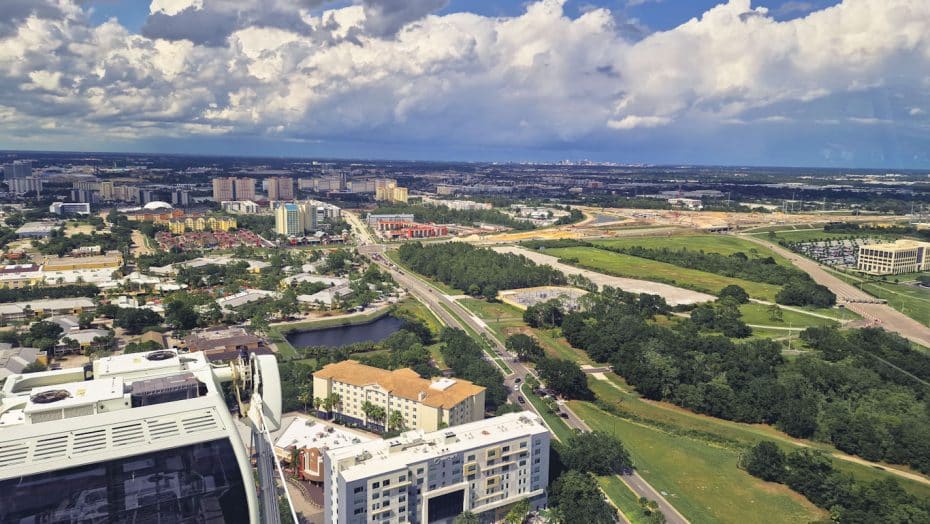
(759, 314)
(634, 267)
(722, 244)
(702, 481)
(913, 301)
(718, 433)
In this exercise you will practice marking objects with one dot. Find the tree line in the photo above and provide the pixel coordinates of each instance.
(479, 271)
(863, 391)
(39, 292)
(811, 473)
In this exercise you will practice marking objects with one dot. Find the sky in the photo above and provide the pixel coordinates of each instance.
(833, 83)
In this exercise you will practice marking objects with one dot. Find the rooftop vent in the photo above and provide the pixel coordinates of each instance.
(47, 397)
(160, 355)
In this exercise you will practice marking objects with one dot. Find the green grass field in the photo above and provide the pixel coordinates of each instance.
(759, 314)
(811, 235)
(722, 244)
(623, 498)
(702, 481)
(910, 300)
(635, 267)
(555, 423)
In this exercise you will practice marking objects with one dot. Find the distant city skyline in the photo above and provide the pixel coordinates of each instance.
(820, 83)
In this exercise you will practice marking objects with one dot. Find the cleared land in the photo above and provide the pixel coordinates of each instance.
(635, 267)
(760, 314)
(673, 295)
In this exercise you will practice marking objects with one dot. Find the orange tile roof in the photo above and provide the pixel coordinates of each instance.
(403, 383)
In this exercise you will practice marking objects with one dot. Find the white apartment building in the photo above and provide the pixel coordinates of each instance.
(901, 256)
(423, 404)
(419, 477)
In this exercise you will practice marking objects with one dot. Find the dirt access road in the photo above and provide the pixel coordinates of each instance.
(854, 299)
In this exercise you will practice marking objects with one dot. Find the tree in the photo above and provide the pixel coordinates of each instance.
(45, 329)
(578, 499)
(525, 347)
(137, 320)
(34, 367)
(766, 461)
(181, 315)
(466, 517)
(396, 421)
(565, 377)
(518, 512)
(595, 452)
(306, 395)
(735, 292)
(85, 320)
(775, 313)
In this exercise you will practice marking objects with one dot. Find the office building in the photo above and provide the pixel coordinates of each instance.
(458, 205)
(901, 256)
(325, 211)
(18, 169)
(394, 217)
(295, 218)
(69, 208)
(22, 186)
(483, 467)
(422, 404)
(240, 207)
(88, 196)
(280, 188)
(180, 197)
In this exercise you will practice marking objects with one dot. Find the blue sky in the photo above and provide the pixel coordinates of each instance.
(764, 82)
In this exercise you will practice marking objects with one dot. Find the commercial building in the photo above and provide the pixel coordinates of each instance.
(225, 343)
(240, 207)
(483, 467)
(20, 275)
(15, 360)
(26, 310)
(18, 169)
(232, 188)
(36, 229)
(373, 220)
(21, 186)
(112, 260)
(901, 256)
(69, 208)
(280, 188)
(391, 230)
(309, 439)
(458, 205)
(423, 404)
(295, 218)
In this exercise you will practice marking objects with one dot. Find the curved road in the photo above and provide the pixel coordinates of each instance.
(853, 298)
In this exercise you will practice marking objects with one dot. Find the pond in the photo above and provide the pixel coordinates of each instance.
(374, 331)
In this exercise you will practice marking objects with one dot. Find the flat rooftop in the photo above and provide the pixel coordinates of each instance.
(310, 433)
(368, 458)
(899, 245)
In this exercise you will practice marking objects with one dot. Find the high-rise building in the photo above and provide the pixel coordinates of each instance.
(180, 197)
(295, 218)
(245, 189)
(387, 190)
(21, 186)
(483, 467)
(223, 189)
(421, 403)
(18, 169)
(280, 188)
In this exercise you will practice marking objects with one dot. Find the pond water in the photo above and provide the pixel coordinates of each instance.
(374, 331)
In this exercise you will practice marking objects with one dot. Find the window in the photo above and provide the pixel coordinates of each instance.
(402, 478)
(376, 485)
(205, 477)
(522, 445)
(388, 481)
(506, 449)
(358, 489)
(471, 458)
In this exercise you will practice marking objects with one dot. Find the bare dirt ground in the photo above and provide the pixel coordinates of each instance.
(139, 245)
(673, 295)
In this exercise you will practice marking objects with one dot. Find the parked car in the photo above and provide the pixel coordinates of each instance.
(521, 400)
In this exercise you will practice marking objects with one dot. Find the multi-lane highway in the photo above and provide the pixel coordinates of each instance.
(441, 305)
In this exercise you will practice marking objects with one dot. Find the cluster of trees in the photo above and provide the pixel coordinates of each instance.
(546, 314)
(35, 292)
(405, 348)
(863, 390)
(444, 215)
(868, 229)
(723, 316)
(133, 320)
(163, 258)
(800, 292)
(58, 244)
(466, 359)
(564, 377)
(525, 347)
(812, 474)
(479, 271)
(42, 335)
(212, 274)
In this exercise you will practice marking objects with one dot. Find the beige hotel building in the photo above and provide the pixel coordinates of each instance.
(424, 404)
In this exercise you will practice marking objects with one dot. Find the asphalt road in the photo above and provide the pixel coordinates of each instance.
(854, 299)
(435, 300)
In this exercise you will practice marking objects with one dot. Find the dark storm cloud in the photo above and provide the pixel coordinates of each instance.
(383, 18)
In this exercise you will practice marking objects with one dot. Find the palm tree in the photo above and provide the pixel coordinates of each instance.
(305, 396)
(396, 421)
(317, 402)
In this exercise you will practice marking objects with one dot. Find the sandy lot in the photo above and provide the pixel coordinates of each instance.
(673, 295)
